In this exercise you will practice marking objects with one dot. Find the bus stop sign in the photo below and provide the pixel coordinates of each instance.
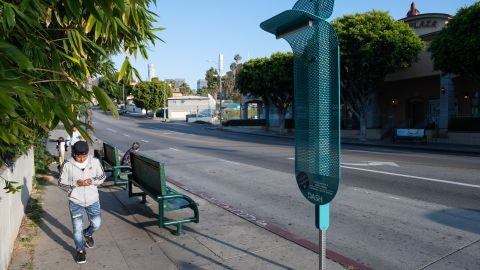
(317, 90)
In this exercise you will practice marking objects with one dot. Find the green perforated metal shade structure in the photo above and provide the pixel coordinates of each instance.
(317, 103)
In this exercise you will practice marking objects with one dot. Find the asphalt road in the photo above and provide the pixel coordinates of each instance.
(394, 210)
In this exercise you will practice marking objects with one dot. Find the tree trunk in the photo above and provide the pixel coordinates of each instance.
(363, 126)
(281, 119)
(266, 106)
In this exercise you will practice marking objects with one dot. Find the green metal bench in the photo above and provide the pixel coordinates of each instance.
(149, 176)
(111, 163)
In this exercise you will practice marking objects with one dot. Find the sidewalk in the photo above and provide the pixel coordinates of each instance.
(130, 238)
(431, 146)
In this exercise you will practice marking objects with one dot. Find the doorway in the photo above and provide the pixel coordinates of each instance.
(416, 113)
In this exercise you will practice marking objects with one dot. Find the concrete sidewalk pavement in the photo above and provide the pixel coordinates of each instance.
(131, 239)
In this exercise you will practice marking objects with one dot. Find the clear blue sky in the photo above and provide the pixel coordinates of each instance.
(198, 30)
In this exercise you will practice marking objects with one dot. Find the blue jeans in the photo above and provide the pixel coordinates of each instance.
(76, 212)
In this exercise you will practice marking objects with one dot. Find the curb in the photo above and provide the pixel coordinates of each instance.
(391, 146)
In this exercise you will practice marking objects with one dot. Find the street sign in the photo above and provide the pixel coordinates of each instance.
(317, 102)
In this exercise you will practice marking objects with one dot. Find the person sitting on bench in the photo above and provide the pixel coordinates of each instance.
(126, 158)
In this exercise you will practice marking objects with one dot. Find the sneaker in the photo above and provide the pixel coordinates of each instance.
(89, 241)
(81, 258)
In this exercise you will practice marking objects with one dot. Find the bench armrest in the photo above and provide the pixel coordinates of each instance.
(122, 167)
(192, 203)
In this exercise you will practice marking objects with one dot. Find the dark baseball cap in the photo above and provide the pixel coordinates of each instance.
(80, 148)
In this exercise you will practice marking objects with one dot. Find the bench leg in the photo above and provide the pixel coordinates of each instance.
(116, 178)
(161, 214)
(179, 229)
(129, 188)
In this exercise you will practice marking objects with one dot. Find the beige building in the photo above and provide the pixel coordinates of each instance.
(180, 107)
(420, 97)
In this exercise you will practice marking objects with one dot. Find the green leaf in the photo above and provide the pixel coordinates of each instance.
(90, 23)
(104, 101)
(123, 69)
(15, 55)
(71, 58)
(98, 29)
(9, 15)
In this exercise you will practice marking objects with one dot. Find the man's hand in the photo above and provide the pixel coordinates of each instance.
(84, 183)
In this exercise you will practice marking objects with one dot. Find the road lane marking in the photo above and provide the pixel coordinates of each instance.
(364, 151)
(126, 135)
(112, 130)
(144, 141)
(415, 177)
(174, 149)
(232, 162)
(291, 158)
(371, 163)
(368, 163)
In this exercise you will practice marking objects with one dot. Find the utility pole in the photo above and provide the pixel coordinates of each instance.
(164, 100)
(220, 69)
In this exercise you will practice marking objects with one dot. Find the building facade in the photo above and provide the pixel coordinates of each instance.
(180, 107)
(419, 96)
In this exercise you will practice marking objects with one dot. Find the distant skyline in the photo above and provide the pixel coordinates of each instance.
(197, 31)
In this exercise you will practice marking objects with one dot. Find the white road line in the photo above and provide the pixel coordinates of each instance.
(126, 135)
(112, 130)
(291, 158)
(364, 151)
(415, 177)
(144, 141)
(174, 149)
(372, 163)
(232, 162)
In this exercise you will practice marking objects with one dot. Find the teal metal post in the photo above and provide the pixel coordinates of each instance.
(317, 102)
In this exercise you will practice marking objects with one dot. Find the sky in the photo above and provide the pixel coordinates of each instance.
(197, 31)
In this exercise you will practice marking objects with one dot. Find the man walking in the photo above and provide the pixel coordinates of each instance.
(80, 176)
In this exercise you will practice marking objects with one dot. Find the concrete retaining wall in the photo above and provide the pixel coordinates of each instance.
(12, 206)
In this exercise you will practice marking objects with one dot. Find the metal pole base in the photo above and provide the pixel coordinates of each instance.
(322, 245)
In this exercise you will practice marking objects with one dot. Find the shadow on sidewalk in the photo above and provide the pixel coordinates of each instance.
(47, 219)
(147, 212)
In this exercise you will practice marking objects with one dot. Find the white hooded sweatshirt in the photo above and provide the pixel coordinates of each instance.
(73, 171)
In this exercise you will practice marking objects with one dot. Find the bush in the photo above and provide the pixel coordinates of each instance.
(465, 124)
(246, 122)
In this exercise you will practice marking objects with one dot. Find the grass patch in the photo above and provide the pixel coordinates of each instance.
(25, 244)
(27, 266)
